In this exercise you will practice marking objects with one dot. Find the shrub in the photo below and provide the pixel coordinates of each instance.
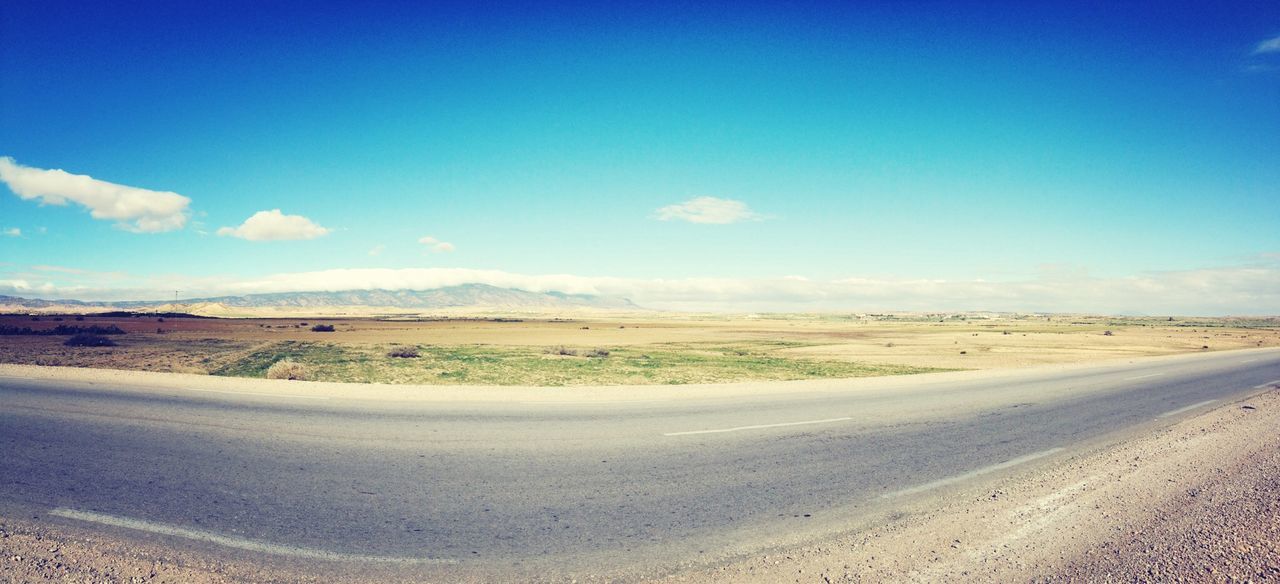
(403, 352)
(89, 340)
(1107, 333)
(562, 350)
(598, 353)
(80, 318)
(287, 369)
(62, 329)
(322, 328)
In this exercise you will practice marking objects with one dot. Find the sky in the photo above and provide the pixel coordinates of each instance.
(1068, 157)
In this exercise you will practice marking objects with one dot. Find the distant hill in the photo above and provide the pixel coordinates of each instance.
(467, 297)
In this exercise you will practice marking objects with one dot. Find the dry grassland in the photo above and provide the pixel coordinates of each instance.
(636, 349)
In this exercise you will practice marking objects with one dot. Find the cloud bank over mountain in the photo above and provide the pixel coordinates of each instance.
(1211, 291)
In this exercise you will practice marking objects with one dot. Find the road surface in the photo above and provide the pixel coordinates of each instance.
(622, 483)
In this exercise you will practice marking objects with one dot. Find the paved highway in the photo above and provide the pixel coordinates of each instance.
(555, 483)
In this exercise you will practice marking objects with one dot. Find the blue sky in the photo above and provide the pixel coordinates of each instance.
(859, 150)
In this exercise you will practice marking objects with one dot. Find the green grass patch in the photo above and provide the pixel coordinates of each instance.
(673, 363)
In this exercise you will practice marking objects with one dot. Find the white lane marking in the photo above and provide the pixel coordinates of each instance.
(1267, 384)
(757, 427)
(1143, 376)
(973, 473)
(258, 393)
(590, 402)
(1248, 360)
(235, 542)
(1188, 408)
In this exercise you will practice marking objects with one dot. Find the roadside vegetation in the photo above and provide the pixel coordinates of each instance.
(287, 369)
(666, 363)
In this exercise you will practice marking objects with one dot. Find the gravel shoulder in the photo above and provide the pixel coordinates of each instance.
(1194, 501)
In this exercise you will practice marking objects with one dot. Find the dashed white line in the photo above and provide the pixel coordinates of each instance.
(973, 473)
(1267, 384)
(233, 541)
(1248, 360)
(1187, 408)
(258, 393)
(757, 427)
(1143, 376)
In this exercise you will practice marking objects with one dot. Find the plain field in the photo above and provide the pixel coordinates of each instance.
(642, 349)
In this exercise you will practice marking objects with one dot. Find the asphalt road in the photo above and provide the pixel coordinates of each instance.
(555, 487)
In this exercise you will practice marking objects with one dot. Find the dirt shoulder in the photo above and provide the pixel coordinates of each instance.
(1195, 501)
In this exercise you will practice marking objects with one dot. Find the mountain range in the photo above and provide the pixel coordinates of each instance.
(465, 297)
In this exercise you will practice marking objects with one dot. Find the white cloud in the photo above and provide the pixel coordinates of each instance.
(709, 210)
(1271, 45)
(435, 245)
(133, 209)
(377, 250)
(275, 226)
(1233, 290)
(13, 232)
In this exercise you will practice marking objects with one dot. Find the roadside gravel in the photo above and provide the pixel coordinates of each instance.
(1224, 530)
(1198, 501)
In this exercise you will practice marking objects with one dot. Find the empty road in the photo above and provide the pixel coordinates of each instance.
(512, 483)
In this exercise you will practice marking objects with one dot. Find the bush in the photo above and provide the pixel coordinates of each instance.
(598, 353)
(322, 328)
(79, 318)
(562, 350)
(62, 329)
(403, 352)
(287, 369)
(88, 340)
